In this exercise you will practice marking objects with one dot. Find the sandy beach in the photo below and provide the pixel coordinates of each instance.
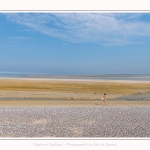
(38, 92)
(73, 108)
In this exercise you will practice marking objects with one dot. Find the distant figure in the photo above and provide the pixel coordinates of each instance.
(104, 99)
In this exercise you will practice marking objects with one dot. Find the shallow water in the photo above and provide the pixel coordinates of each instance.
(135, 97)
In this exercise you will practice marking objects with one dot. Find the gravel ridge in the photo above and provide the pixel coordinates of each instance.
(73, 121)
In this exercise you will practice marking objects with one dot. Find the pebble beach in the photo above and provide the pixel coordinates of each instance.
(90, 122)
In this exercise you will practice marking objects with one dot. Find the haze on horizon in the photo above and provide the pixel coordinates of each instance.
(75, 43)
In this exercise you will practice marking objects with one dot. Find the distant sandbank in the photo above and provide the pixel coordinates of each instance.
(75, 80)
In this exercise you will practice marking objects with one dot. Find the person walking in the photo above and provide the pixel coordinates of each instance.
(104, 99)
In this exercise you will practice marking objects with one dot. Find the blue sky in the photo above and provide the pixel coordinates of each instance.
(88, 43)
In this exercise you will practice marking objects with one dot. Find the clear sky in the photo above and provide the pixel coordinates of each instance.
(87, 43)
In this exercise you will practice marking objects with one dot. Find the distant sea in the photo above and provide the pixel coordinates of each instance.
(130, 77)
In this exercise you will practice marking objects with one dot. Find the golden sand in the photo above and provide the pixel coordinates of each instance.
(68, 92)
(72, 86)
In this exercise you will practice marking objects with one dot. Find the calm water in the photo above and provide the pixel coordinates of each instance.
(100, 77)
